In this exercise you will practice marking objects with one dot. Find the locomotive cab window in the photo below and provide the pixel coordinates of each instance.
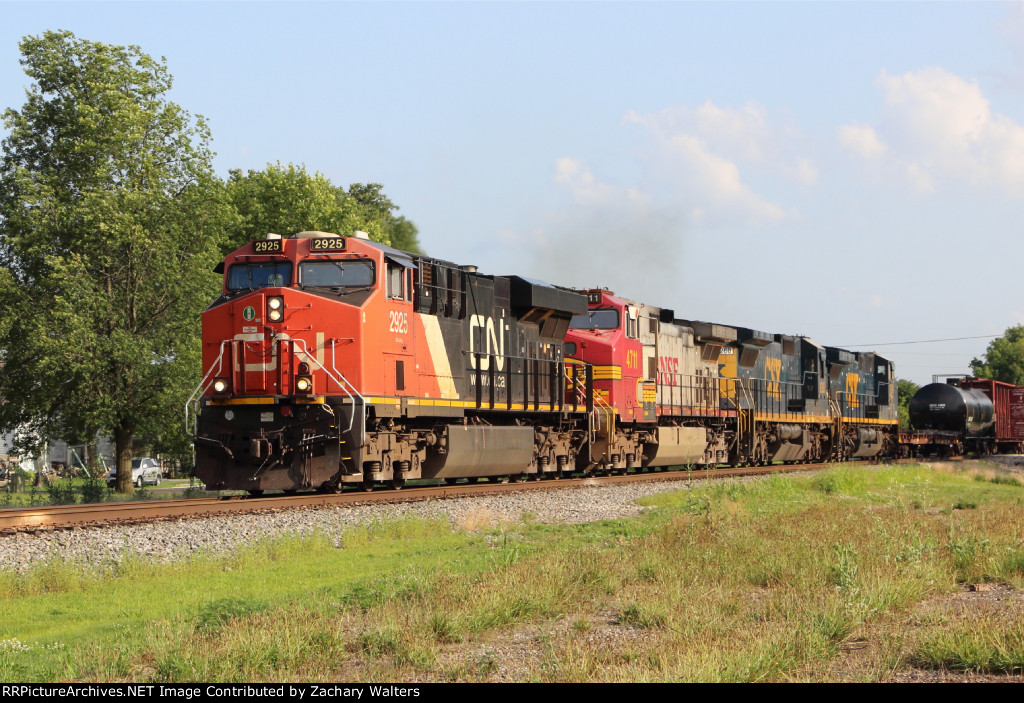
(632, 324)
(336, 273)
(398, 288)
(263, 274)
(602, 319)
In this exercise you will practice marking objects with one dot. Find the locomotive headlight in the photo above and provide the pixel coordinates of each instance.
(220, 385)
(275, 309)
(304, 384)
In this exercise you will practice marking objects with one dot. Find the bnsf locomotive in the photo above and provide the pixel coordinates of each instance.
(336, 360)
(331, 360)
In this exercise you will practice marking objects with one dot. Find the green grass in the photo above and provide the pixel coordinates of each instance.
(731, 581)
(69, 491)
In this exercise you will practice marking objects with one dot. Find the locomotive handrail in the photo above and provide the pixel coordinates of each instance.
(339, 379)
(704, 391)
(201, 389)
(556, 400)
(776, 401)
(837, 441)
(857, 410)
(577, 387)
(600, 404)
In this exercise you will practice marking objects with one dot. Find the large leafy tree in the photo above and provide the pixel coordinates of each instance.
(110, 222)
(905, 390)
(1004, 358)
(286, 199)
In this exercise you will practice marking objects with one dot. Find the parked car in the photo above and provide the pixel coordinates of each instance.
(145, 471)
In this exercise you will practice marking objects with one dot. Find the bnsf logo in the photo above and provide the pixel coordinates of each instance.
(486, 337)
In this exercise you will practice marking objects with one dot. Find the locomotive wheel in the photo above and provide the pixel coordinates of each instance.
(472, 479)
(396, 484)
(451, 481)
(290, 491)
(367, 485)
(255, 493)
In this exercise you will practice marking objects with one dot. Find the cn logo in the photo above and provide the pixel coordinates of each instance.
(486, 337)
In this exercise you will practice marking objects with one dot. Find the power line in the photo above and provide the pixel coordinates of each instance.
(922, 341)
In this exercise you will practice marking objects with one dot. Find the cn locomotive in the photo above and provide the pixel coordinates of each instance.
(336, 360)
(332, 361)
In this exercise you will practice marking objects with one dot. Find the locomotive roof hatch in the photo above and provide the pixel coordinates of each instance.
(755, 338)
(711, 332)
(528, 293)
(840, 356)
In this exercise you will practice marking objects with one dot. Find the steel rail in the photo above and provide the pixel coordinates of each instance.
(33, 519)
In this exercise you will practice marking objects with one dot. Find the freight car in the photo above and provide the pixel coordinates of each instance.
(331, 361)
(968, 415)
(670, 391)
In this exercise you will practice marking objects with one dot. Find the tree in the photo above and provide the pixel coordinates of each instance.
(1004, 358)
(286, 199)
(905, 390)
(110, 223)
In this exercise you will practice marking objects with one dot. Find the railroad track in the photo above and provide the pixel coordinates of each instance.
(35, 519)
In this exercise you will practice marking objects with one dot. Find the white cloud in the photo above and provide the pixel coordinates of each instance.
(702, 153)
(938, 127)
(805, 171)
(587, 190)
(861, 140)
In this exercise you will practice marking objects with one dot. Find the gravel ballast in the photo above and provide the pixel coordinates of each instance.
(167, 541)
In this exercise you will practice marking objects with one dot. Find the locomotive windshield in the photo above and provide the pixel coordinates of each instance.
(259, 275)
(606, 319)
(336, 273)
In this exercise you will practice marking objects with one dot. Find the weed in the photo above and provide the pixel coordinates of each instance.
(507, 555)
(62, 492)
(834, 626)
(642, 616)
(216, 614)
(362, 596)
(94, 490)
(697, 504)
(647, 572)
(486, 664)
(444, 628)
(1006, 480)
(963, 504)
(965, 550)
(844, 571)
(984, 646)
(378, 643)
(1013, 563)
(582, 626)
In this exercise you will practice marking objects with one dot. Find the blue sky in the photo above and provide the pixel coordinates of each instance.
(849, 171)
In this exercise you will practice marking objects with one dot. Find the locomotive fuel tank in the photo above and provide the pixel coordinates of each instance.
(941, 406)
